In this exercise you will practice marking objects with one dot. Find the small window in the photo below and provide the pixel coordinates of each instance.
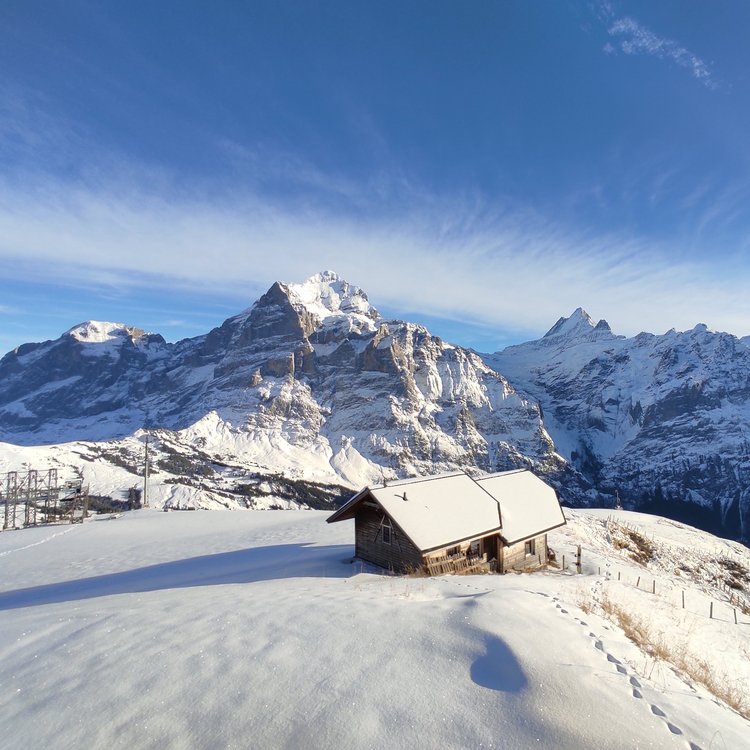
(475, 548)
(530, 547)
(387, 530)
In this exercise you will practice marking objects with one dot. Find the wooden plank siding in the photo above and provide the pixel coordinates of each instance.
(471, 556)
(516, 557)
(400, 555)
(458, 564)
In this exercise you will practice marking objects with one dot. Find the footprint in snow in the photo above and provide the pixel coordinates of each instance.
(672, 727)
(634, 683)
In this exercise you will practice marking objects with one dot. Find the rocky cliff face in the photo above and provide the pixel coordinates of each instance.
(662, 420)
(310, 382)
(310, 392)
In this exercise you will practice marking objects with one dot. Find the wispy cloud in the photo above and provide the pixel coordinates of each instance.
(636, 39)
(452, 259)
(120, 225)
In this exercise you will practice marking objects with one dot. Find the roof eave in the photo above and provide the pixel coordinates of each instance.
(535, 534)
(339, 515)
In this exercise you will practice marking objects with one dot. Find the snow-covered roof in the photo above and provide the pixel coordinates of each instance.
(434, 511)
(441, 510)
(529, 505)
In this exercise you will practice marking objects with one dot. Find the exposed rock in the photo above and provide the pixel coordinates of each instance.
(661, 419)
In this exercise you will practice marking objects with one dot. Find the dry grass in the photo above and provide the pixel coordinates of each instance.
(417, 572)
(585, 600)
(735, 575)
(656, 645)
(636, 546)
(651, 643)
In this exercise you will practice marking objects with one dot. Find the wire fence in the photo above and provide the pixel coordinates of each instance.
(723, 574)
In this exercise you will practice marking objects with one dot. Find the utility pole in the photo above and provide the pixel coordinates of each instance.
(145, 477)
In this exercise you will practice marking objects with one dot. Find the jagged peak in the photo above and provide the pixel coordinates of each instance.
(326, 294)
(580, 321)
(99, 332)
(323, 277)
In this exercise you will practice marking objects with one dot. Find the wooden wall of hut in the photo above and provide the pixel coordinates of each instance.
(400, 555)
(517, 557)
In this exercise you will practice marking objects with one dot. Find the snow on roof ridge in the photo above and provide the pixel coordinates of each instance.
(443, 475)
(501, 473)
(413, 480)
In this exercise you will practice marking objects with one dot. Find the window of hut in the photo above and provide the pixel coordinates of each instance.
(387, 529)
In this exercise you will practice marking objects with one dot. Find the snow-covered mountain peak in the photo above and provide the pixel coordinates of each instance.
(326, 294)
(100, 332)
(579, 324)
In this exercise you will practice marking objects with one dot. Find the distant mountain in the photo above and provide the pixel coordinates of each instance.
(311, 392)
(662, 420)
(310, 384)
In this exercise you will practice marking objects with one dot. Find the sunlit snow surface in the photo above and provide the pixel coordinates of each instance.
(254, 630)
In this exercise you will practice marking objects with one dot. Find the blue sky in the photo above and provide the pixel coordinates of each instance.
(482, 167)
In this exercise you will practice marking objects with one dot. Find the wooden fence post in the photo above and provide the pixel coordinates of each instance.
(711, 611)
(653, 586)
(638, 582)
(683, 600)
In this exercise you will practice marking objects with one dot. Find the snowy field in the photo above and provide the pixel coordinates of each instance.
(254, 630)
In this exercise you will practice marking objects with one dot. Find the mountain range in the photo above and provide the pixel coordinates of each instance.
(311, 393)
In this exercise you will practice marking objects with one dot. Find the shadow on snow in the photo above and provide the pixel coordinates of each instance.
(498, 669)
(242, 566)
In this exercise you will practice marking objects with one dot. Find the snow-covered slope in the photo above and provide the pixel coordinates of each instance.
(194, 630)
(310, 393)
(663, 420)
(310, 382)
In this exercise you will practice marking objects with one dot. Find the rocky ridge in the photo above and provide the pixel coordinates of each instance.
(310, 393)
(310, 384)
(660, 420)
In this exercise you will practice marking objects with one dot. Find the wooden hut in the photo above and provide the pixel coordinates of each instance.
(453, 523)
